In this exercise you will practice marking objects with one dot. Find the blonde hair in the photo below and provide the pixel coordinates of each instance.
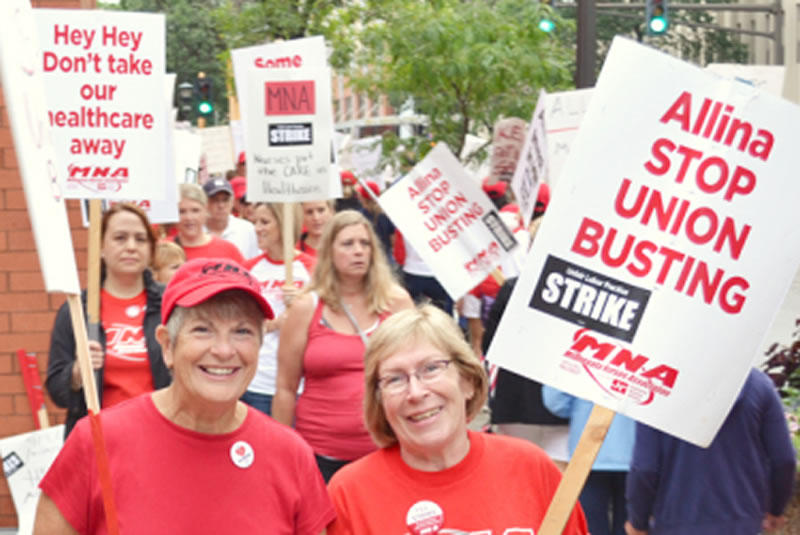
(379, 280)
(193, 192)
(276, 209)
(404, 329)
(167, 253)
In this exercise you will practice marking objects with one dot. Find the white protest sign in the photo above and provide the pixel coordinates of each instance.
(563, 115)
(218, 148)
(23, 90)
(188, 147)
(449, 220)
(507, 142)
(26, 459)
(532, 166)
(104, 75)
(766, 77)
(287, 116)
(666, 251)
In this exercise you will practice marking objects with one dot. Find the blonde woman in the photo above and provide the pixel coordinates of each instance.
(323, 339)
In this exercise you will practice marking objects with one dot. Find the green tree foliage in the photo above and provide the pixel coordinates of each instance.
(193, 43)
(462, 63)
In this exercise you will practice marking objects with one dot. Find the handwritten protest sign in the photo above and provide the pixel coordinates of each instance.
(449, 220)
(667, 248)
(531, 170)
(23, 90)
(563, 115)
(218, 148)
(284, 90)
(104, 75)
(507, 142)
(26, 459)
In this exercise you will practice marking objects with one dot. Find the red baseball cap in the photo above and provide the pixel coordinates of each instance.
(347, 177)
(202, 278)
(376, 190)
(239, 185)
(542, 199)
(498, 189)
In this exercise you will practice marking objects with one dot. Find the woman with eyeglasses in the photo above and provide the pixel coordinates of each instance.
(423, 385)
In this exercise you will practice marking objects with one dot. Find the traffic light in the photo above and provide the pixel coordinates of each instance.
(656, 17)
(546, 23)
(205, 102)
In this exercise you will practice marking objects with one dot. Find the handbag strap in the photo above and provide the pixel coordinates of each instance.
(355, 323)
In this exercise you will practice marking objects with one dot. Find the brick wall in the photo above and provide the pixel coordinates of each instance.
(26, 310)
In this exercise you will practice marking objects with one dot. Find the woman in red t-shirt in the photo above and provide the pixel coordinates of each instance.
(192, 234)
(126, 357)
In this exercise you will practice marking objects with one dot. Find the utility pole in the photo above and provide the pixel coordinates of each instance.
(587, 43)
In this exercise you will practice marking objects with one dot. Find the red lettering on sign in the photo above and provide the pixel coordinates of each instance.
(289, 98)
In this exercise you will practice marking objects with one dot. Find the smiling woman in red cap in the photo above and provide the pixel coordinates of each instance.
(192, 458)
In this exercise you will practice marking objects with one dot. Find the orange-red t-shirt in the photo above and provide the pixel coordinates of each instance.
(127, 368)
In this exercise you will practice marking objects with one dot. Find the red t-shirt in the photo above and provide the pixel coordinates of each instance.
(126, 371)
(216, 248)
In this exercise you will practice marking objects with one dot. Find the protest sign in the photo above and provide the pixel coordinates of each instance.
(23, 90)
(507, 141)
(104, 75)
(284, 92)
(218, 148)
(531, 170)
(26, 459)
(449, 220)
(563, 115)
(767, 77)
(666, 249)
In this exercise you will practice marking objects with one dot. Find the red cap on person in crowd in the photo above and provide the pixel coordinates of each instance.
(241, 158)
(239, 185)
(376, 190)
(510, 207)
(496, 190)
(542, 199)
(348, 178)
(202, 278)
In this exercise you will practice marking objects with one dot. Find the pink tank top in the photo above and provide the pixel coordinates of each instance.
(329, 412)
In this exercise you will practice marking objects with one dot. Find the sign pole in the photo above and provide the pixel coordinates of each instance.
(577, 471)
(288, 241)
(93, 276)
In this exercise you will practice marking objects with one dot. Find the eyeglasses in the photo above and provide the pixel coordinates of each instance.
(397, 383)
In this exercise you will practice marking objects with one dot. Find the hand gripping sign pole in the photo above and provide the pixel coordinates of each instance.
(24, 94)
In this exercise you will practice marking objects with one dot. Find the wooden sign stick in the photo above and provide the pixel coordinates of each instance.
(93, 275)
(577, 471)
(288, 241)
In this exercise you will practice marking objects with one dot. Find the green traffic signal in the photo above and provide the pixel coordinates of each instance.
(205, 107)
(658, 24)
(546, 25)
(656, 17)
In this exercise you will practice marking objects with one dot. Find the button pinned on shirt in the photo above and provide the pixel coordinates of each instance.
(425, 518)
(242, 454)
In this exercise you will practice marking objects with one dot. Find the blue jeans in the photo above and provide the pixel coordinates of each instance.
(261, 402)
(604, 493)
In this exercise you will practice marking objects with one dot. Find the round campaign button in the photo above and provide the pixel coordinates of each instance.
(424, 518)
(242, 454)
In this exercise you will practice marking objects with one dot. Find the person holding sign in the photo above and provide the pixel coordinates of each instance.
(739, 485)
(433, 475)
(192, 458)
(270, 271)
(192, 234)
(127, 356)
(323, 338)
